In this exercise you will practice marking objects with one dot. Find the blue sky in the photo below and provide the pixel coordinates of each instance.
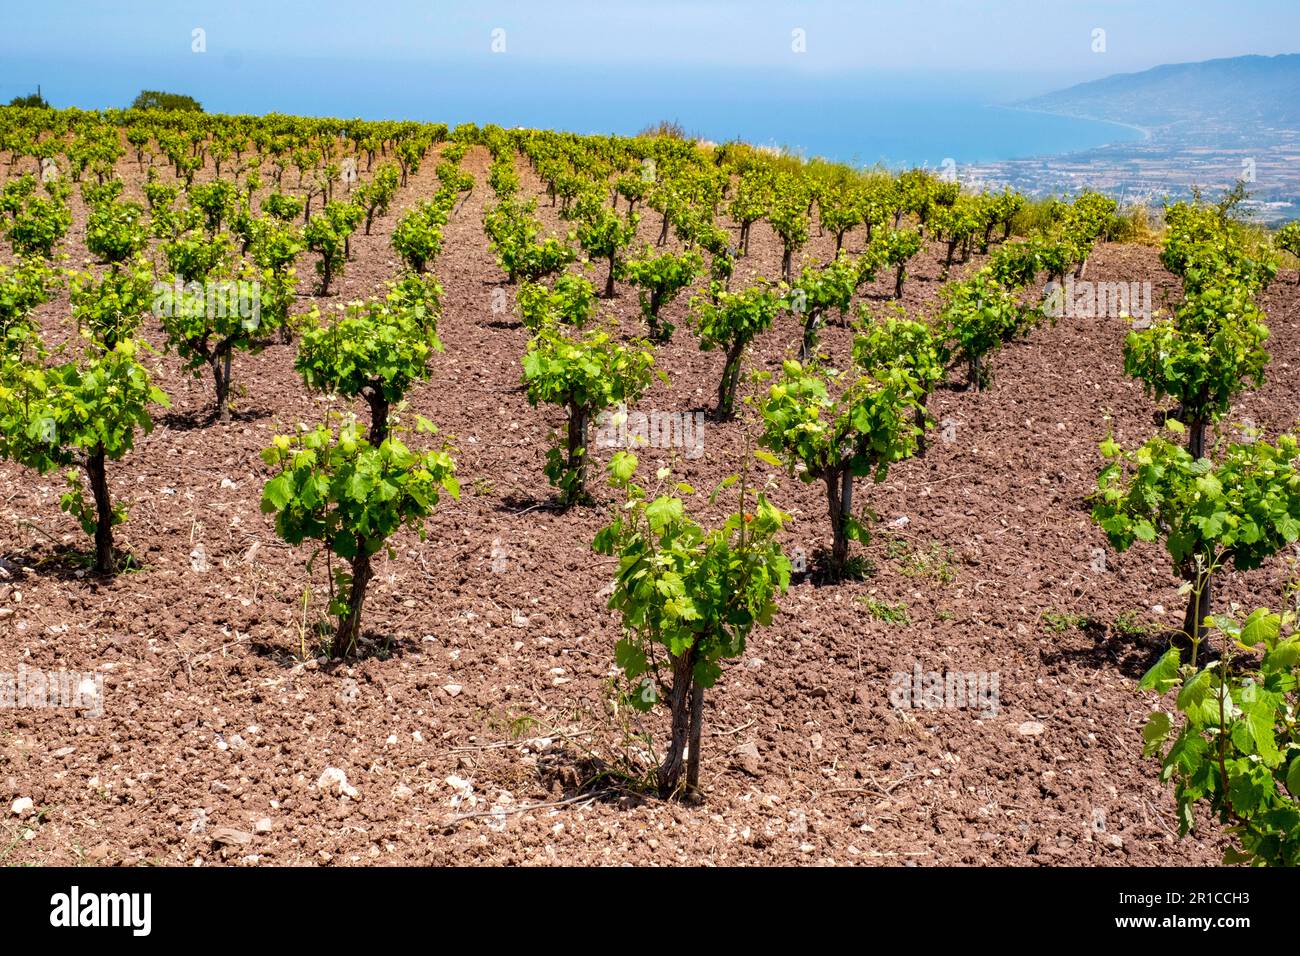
(1046, 37)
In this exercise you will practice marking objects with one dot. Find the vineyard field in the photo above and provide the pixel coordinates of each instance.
(476, 720)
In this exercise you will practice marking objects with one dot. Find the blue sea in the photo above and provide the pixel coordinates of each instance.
(860, 117)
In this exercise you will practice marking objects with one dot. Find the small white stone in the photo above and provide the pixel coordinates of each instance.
(334, 778)
(464, 791)
(22, 806)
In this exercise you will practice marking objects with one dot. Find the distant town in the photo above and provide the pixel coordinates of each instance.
(1208, 125)
(1165, 166)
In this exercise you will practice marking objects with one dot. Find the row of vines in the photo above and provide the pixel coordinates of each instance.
(231, 205)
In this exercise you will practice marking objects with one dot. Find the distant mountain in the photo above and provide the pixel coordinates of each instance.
(1228, 98)
(1210, 124)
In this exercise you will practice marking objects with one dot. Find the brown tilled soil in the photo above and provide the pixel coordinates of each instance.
(486, 683)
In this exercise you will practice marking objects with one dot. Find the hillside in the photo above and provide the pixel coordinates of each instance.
(1208, 125)
(480, 706)
(1227, 97)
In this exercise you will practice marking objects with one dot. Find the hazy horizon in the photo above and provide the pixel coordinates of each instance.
(1054, 41)
(891, 81)
(1020, 49)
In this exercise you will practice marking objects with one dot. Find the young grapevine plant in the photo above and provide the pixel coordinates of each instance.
(38, 225)
(604, 234)
(327, 235)
(22, 288)
(913, 347)
(206, 324)
(750, 202)
(352, 495)
(377, 195)
(1211, 350)
(1232, 739)
(418, 236)
(1288, 240)
(1242, 510)
(582, 375)
(116, 232)
(375, 351)
(78, 415)
(788, 214)
(729, 321)
(978, 317)
(897, 248)
(820, 290)
(868, 427)
(689, 599)
(514, 238)
(570, 301)
(659, 279)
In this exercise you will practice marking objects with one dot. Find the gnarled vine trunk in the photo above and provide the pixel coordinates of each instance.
(97, 475)
(657, 332)
(839, 502)
(221, 377)
(577, 454)
(811, 324)
(921, 443)
(686, 704)
(609, 279)
(349, 629)
(326, 274)
(1196, 438)
(378, 416)
(730, 381)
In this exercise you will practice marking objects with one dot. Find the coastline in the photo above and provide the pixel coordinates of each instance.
(1147, 135)
(806, 152)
